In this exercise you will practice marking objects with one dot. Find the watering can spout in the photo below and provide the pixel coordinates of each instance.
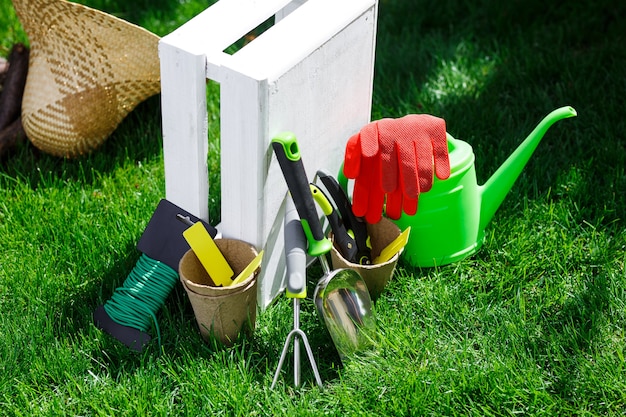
(496, 188)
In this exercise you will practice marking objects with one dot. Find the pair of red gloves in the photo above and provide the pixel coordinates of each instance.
(392, 161)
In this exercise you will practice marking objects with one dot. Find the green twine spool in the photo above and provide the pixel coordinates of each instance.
(143, 293)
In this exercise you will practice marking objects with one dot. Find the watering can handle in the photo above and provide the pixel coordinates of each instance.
(288, 155)
(342, 180)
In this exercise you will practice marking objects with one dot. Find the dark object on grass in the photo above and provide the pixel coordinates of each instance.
(4, 67)
(13, 88)
(11, 136)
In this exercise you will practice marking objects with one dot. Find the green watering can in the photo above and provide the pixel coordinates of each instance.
(451, 218)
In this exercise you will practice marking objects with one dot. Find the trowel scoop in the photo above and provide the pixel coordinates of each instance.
(341, 296)
(343, 301)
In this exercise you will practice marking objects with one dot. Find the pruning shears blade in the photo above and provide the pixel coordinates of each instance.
(343, 240)
(354, 225)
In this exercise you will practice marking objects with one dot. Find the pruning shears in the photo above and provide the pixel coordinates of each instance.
(350, 233)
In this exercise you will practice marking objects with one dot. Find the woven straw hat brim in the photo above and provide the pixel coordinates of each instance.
(87, 71)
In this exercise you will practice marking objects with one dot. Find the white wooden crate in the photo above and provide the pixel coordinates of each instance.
(310, 73)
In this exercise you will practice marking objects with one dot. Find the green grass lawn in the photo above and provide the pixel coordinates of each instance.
(533, 324)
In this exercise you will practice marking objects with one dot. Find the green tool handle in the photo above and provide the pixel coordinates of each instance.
(288, 155)
(345, 243)
(295, 252)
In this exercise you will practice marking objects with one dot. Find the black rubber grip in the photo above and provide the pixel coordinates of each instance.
(288, 154)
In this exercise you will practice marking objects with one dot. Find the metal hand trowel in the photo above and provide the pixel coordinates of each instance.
(341, 296)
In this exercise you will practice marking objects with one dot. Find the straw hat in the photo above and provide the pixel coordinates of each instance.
(87, 71)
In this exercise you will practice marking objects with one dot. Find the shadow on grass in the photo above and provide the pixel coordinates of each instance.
(573, 336)
(502, 68)
(584, 314)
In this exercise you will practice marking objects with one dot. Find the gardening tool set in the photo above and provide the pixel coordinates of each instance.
(392, 163)
(54, 96)
(341, 296)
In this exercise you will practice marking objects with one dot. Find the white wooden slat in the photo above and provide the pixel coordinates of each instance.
(243, 127)
(302, 32)
(223, 23)
(185, 144)
(281, 14)
(244, 164)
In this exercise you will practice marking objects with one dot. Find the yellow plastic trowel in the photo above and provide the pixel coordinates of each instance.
(209, 254)
(248, 270)
(394, 247)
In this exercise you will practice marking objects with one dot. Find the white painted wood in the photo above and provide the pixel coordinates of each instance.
(185, 144)
(221, 25)
(288, 9)
(311, 73)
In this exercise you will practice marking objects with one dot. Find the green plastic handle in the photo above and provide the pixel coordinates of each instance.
(287, 152)
(344, 241)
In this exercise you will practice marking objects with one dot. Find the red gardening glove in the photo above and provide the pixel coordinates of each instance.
(362, 161)
(394, 158)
